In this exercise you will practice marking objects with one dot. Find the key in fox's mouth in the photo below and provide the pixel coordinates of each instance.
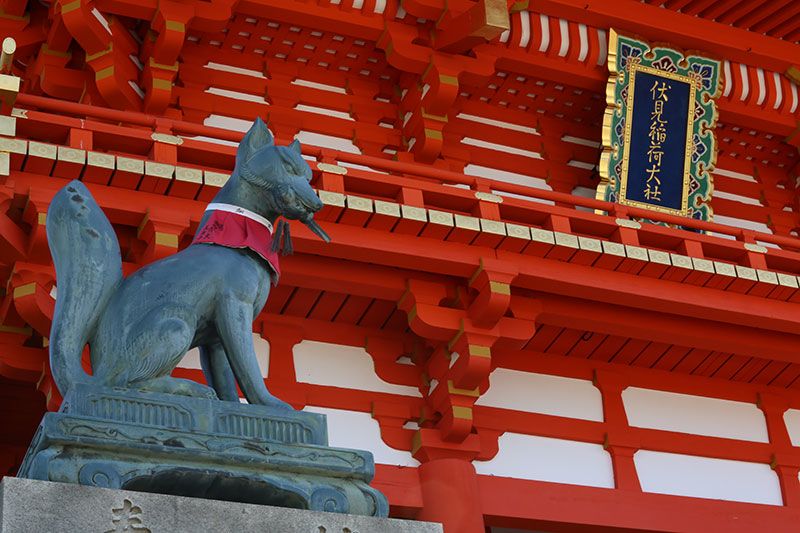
(316, 229)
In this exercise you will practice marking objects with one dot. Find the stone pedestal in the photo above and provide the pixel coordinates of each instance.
(29, 505)
(183, 446)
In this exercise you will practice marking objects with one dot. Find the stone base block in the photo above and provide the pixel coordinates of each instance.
(182, 446)
(30, 505)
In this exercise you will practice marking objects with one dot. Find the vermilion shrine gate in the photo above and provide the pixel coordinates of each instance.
(525, 356)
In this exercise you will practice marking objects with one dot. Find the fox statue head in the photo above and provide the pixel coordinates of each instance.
(279, 177)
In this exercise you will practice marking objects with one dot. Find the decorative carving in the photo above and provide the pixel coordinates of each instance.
(99, 474)
(260, 428)
(136, 412)
(78, 447)
(127, 518)
(330, 500)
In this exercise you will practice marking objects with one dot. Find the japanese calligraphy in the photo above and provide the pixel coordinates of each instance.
(127, 518)
(658, 136)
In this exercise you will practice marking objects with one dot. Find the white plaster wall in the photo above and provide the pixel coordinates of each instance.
(547, 459)
(327, 141)
(696, 415)
(742, 223)
(705, 477)
(498, 123)
(584, 192)
(228, 123)
(506, 176)
(542, 393)
(792, 420)
(354, 429)
(192, 357)
(235, 70)
(348, 367)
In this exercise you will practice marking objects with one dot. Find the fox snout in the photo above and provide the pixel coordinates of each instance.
(314, 204)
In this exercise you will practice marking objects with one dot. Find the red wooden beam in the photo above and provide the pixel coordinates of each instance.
(767, 9)
(322, 16)
(769, 23)
(735, 15)
(659, 24)
(506, 502)
(660, 327)
(638, 292)
(594, 79)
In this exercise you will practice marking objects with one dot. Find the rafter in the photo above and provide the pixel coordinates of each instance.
(734, 44)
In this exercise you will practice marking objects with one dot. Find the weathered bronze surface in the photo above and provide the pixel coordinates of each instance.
(130, 424)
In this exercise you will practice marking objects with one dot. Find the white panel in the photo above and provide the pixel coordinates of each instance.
(498, 123)
(704, 477)
(327, 141)
(602, 38)
(776, 78)
(545, 459)
(237, 95)
(323, 111)
(584, 192)
(505, 176)
(541, 393)
(523, 197)
(503, 36)
(762, 86)
(584, 37)
(735, 175)
(736, 198)
(320, 86)
(228, 123)
(138, 90)
(792, 420)
(563, 27)
(354, 429)
(742, 223)
(235, 70)
(100, 18)
(500, 147)
(728, 78)
(745, 82)
(525, 19)
(544, 20)
(582, 142)
(342, 366)
(694, 414)
(192, 357)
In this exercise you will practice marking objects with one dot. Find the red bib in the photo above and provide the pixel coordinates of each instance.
(235, 230)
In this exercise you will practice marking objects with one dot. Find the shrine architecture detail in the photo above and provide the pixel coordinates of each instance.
(561, 291)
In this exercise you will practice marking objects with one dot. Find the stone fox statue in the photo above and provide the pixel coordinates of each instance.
(205, 296)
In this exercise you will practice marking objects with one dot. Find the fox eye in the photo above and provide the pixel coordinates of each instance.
(288, 168)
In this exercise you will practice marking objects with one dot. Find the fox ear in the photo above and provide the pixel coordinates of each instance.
(295, 146)
(257, 137)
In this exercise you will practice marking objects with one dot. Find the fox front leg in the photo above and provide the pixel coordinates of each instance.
(235, 326)
(218, 371)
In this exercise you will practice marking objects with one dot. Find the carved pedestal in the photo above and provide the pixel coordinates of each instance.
(167, 444)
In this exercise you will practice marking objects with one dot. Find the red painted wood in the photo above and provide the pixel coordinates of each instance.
(622, 324)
